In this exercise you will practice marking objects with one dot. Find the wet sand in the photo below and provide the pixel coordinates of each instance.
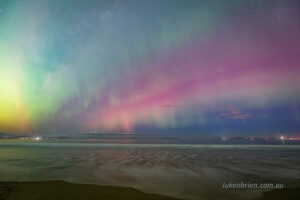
(60, 190)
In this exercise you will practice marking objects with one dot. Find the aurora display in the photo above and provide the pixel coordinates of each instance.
(204, 67)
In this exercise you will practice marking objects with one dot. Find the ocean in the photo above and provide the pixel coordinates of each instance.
(178, 170)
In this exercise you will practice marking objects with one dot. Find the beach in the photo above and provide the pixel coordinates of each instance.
(178, 171)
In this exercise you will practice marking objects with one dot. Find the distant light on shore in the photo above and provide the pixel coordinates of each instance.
(37, 138)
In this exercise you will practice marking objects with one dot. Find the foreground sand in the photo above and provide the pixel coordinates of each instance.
(282, 194)
(60, 190)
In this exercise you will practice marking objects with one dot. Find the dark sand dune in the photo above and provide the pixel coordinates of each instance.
(60, 190)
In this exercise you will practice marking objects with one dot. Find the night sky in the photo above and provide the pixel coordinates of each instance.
(149, 66)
